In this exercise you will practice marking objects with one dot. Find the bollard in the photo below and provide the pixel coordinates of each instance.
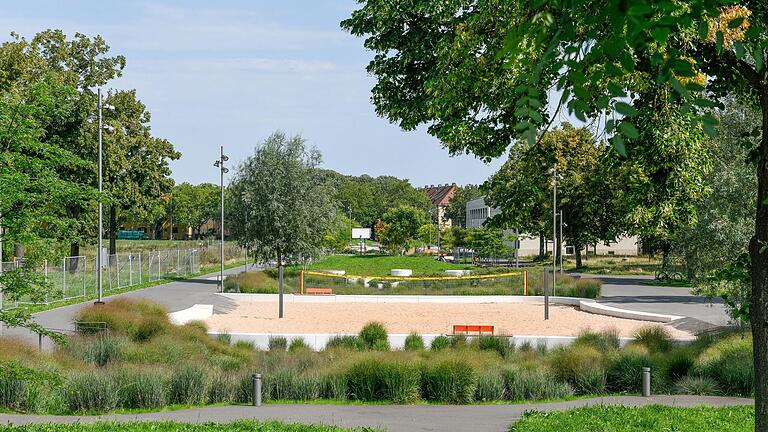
(40, 342)
(257, 390)
(646, 382)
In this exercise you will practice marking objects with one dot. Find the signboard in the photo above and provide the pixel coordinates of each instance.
(361, 233)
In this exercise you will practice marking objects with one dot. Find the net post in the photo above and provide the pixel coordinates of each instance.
(301, 281)
(525, 282)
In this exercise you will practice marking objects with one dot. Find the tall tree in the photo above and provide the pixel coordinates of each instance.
(32, 191)
(401, 227)
(287, 209)
(456, 210)
(480, 74)
(136, 170)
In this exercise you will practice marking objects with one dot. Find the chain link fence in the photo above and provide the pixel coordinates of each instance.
(76, 277)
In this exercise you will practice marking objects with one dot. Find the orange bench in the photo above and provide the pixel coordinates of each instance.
(473, 329)
(319, 291)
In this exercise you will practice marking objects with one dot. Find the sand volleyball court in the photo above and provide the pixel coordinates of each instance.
(423, 317)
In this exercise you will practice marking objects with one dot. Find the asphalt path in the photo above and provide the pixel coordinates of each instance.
(390, 418)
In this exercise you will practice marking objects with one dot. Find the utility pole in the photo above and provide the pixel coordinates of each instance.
(220, 164)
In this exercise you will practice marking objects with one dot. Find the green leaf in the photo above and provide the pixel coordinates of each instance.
(618, 144)
(719, 41)
(739, 47)
(660, 34)
(759, 60)
(625, 109)
(640, 9)
(704, 29)
(736, 22)
(628, 130)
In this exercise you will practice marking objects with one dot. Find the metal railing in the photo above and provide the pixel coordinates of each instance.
(76, 277)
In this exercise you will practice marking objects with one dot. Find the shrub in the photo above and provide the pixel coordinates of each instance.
(187, 386)
(414, 342)
(143, 389)
(605, 340)
(678, 365)
(277, 343)
(98, 349)
(490, 387)
(245, 345)
(625, 372)
(523, 385)
(345, 341)
(589, 381)
(656, 338)
(17, 394)
(729, 362)
(381, 345)
(298, 344)
(700, 386)
(500, 344)
(377, 379)
(224, 338)
(91, 392)
(440, 342)
(451, 381)
(140, 320)
(372, 333)
(582, 365)
(458, 340)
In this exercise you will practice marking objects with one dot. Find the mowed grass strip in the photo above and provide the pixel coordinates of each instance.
(646, 419)
(238, 426)
(381, 265)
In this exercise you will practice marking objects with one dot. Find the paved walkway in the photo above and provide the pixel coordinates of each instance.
(629, 292)
(391, 418)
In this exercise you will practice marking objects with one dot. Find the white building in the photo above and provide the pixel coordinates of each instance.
(478, 212)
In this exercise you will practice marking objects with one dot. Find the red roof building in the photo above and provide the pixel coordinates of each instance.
(440, 196)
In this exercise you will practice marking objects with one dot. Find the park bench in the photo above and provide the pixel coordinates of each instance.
(319, 291)
(472, 329)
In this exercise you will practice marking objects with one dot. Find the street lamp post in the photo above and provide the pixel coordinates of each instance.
(99, 263)
(220, 164)
(555, 178)
(561, 241)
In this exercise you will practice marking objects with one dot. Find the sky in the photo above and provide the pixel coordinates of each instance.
(232, 72)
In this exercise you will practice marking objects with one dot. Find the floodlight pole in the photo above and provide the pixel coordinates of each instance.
(555, 177)
(220, 164)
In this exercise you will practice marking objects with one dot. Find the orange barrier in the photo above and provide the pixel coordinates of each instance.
(473, 329)
(525, 283)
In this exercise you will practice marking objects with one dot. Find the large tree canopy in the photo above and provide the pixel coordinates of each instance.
(482, 74)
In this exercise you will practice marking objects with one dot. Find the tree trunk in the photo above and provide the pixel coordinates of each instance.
(541, 245)
(759, 259)
(74, 250)
(18, 251)
(577, 252)
(112, 229)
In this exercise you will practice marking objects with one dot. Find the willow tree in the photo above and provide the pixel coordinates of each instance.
(279, 208)
(483, 73)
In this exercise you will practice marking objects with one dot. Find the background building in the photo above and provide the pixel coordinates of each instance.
(440, 196)
(478, 212)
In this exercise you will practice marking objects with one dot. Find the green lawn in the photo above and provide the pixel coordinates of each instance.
(380, 265)
(646, 419)
(238, 426)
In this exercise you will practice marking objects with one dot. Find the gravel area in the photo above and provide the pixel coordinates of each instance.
(424, 318)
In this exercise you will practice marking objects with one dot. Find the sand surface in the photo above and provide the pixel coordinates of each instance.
(424, 318)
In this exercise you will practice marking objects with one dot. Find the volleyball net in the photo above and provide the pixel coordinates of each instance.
(510, 283)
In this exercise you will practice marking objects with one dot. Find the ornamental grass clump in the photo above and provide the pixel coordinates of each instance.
(186, 385)
(91, 393)
(449, 381)
(490, 387)
(143, 389)
(532, 385)
(414, 342)
(730, 363)
(381, 379)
